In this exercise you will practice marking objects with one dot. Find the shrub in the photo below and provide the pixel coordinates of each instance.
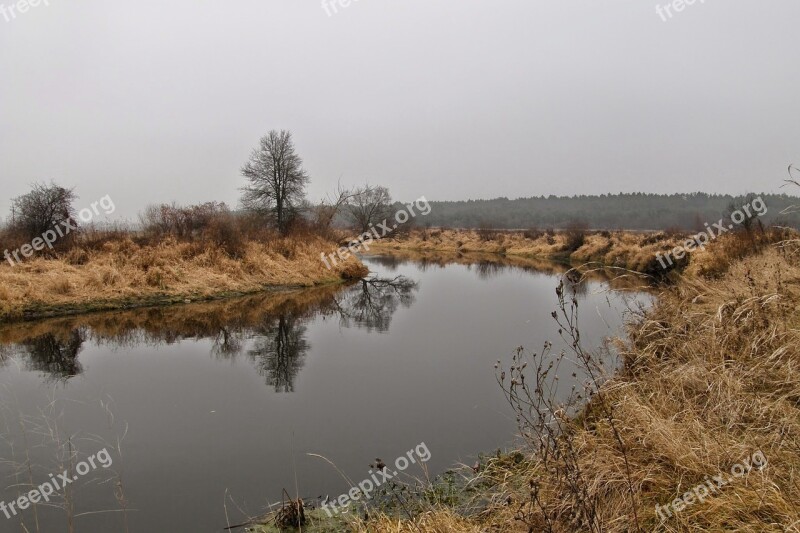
(653, 239)
(224, 232)
(181, 222)
(486, 233)
(575, 236)
(41, 210)
(532, 234)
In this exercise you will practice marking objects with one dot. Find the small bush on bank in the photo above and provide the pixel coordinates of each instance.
(533, 234)
(575, 236)
(486, 233)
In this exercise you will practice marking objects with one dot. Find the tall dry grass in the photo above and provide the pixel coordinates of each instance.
(634, 251)
(122, 272)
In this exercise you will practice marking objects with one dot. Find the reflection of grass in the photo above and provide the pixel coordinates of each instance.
(488, 264)
(196, 319)
(709, 377)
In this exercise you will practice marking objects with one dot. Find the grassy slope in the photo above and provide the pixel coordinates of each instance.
(123, 275)
(711, 376)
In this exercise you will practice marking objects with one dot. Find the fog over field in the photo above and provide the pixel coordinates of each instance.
(158, 101)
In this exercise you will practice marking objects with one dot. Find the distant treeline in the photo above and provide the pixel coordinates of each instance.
(607, 211)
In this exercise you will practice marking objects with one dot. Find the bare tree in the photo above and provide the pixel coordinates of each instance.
(369, 205)
(45, 207)
(325, 212)
(276, 179)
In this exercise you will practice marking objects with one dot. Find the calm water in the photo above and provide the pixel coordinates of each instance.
(216, 406)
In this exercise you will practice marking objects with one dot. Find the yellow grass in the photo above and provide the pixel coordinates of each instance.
(629, 250)
(124, 273)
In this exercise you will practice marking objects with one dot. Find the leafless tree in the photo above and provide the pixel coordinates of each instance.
(325, 212)
(369, 205)
(45, 207)
(276, 179)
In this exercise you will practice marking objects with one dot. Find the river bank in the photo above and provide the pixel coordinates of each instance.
(123, 274)
(635, 251)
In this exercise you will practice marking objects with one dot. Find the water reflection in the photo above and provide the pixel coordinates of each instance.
(55, 355)
(373, 301)
(489, 266)
(280, 349)
(269, 328)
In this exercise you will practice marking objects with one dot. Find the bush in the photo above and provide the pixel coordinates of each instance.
(575, 236)
(533, 234)
(224, 232)
(486, 233)
(181, 222)
(653, 239)
(41, 210)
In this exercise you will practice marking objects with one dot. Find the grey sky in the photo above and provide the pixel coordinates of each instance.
(153, 101)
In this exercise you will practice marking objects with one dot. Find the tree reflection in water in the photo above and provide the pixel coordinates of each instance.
(279, 351)
(371, 302)
(280, 346)
(270, 329)
(57, 356)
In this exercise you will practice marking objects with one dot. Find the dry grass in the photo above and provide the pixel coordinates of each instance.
(711, 376)
(124, 273)
(635, 251)
(434, 521)
(629, 250)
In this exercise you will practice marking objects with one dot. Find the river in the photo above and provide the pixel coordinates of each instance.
(209, 410)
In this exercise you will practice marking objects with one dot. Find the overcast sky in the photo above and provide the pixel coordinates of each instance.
(153, 101)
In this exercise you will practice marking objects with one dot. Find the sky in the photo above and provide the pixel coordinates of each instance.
(152, 101)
